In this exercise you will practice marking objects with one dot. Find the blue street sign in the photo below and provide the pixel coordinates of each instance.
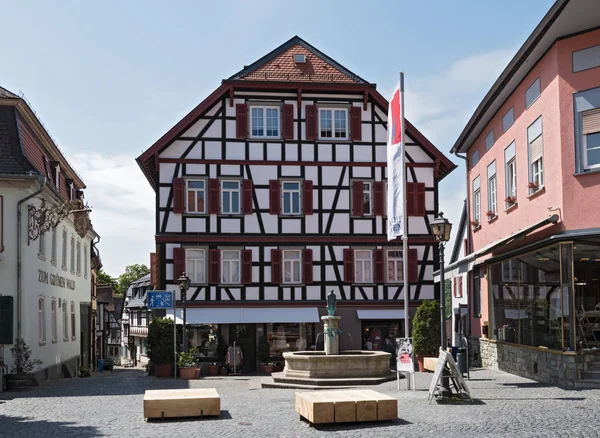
(160, 299)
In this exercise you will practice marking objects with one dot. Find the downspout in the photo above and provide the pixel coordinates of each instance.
(41, 180)
(469, 243)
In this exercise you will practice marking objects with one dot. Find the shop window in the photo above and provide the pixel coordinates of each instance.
(381, 335)
(290, 337)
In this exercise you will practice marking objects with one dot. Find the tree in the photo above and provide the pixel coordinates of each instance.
(132, 273)
(104, 278)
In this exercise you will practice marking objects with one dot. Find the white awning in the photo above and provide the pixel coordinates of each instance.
(246, 315)
(381, 314)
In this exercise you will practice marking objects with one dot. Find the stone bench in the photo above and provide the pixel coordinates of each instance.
(346, 406)
(174, 403)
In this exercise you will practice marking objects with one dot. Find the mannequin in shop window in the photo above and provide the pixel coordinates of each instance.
(235, 358)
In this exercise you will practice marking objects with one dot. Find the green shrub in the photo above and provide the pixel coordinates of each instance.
(187, 360)
(160, 341)
(426, 329)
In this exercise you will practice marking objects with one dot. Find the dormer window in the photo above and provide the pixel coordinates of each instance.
(299, 58)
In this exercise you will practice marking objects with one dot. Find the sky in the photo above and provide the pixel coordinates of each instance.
(109, 78)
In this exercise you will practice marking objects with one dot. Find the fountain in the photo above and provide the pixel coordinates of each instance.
(333, 367)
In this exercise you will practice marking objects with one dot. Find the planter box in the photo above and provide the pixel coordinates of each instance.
(213, 370)
(187, 373)
(163, 370)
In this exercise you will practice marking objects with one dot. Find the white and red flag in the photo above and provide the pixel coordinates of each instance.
(395, 164)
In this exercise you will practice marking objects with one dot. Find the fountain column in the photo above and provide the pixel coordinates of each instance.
(331, 332)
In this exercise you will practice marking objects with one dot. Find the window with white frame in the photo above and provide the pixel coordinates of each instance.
(73, 327)
(72, 254)
(53, 249)
(196, 196)
(78, 257)
(230, 267)
(85, 260)
(367, 198)
(64, 248)
(363, 266)
(291, 192)
(511, 174)
(264, 121)
(590, 123)
(65, 321)
(292, 266)
(42, 319)
(492, 190)
(536, 155)
(230, 197)
(54, 320)
(42, 245)
(333, 123)
(394, 266)
(476, 201)
(195, 264)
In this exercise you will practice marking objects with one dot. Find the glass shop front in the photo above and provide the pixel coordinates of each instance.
(548, 298)
(380, 335)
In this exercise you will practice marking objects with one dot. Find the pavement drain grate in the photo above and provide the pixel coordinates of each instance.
(244, 423)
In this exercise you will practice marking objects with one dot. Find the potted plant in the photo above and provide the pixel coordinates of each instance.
(21, 376)
(263, 352)
(491, 214)
(475, 223)
(84, 372)
(224, 370)
(510, 200)
(187, 364)
(268, 368)
(426, 331)
(160, 346)
(213, 369)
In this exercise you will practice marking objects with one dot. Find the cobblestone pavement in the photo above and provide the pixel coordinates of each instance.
(111, 405)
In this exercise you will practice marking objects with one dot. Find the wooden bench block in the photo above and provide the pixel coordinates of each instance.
(366, 406)
(430, 363)
(315, 407)
(191, 402)
(344, 406)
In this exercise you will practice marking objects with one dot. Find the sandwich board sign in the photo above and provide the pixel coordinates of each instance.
(455, 376)
(160, 299)
(404, 356)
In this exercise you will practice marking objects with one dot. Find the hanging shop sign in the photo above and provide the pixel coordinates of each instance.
(55, 280)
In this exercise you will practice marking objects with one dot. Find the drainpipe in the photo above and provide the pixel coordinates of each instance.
(469, 242)
(41, 180)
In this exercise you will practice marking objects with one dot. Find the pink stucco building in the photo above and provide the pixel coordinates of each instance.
(532, 149)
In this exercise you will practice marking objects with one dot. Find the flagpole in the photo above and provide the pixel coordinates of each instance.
(404, 217)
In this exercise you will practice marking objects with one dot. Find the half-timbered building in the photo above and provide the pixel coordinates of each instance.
(272, 191)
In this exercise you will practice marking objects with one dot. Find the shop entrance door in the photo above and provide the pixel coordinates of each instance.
(245, 336)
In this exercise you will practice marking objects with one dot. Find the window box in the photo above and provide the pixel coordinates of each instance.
(510, 200)
(533, 185)
(491, 214)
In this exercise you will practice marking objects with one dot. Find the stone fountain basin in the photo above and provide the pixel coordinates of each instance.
(347, 364)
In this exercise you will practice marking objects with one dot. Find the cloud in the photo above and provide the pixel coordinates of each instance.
(122, 204)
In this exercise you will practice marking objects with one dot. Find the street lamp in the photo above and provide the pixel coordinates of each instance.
(184, 285)
(440, 228)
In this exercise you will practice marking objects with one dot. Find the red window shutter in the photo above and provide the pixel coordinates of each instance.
(288, 122)
(379, 195)
(178, 262)
(213, 196)
(465, 246)
(153, 276)
(308, 266)
(215, 266)
(410, 199)
(276, 266)
(358, 208)
(420, 199)
(247, 196)
(459, 293)
(241, 120)
(413, 266)
(311, 122)
(349, 265)
(355, 123)
(307, 197)
(178, 195)
(247, 266)
(454, 287)
(274, 196)
(379, 266)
